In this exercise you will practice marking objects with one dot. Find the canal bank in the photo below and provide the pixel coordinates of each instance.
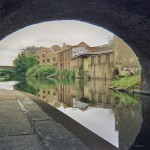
(29, 123)
(129, 84)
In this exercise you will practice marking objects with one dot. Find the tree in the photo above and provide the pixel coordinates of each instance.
(23, 63)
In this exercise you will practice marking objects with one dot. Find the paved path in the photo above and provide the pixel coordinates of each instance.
(25, 126)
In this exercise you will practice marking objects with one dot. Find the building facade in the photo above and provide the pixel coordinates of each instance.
(30, 50)
(42, 54)
(47, 55)
(63, 58)
(67, 57)
(88, 62)
(101, 63)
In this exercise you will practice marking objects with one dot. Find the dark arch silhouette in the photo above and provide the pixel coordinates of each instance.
(129, 19)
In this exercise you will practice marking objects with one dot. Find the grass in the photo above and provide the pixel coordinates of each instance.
(128, 82)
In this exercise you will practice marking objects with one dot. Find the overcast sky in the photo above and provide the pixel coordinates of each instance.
(51, 33)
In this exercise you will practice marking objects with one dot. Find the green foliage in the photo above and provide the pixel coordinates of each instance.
(65, 74)
(41, 83)
(25, 87)
(43, 71)
(40, 71)
(139, 70)
(23, 63)
(32, 85)
(81, 72)
(128, 82)
(71, 74)
(47, 83)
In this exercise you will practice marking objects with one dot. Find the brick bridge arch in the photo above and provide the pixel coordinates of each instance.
(127, 19)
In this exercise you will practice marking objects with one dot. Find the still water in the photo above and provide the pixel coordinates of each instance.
(115, 117)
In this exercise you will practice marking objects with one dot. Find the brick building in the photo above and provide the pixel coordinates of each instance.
(42, 54)
(101, 62)
(47, 55)
(63, 58)
(27, 52)
(30, 50)
(86, 61)
(68, 57)
(91, 62)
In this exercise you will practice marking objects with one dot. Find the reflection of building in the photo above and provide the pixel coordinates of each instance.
(79, 104)
(129, 124)
(48, 95)
(80, 94)
(91, 93)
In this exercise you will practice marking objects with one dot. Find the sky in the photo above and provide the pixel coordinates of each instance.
(51, 33)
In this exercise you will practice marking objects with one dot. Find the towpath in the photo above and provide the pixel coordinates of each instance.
(27, 123)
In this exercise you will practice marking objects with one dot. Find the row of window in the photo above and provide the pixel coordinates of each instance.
(54, 93)
(65, 55)
(100, 59)
(48, 60)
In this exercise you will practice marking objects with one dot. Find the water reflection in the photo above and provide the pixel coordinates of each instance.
(115, 117)
(7, 84)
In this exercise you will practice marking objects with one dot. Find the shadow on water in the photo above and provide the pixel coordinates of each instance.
(116, 117)
(142, 140)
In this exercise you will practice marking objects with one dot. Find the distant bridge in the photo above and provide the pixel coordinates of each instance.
(7, 69)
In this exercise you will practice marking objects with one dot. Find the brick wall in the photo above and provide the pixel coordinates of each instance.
(124, 55)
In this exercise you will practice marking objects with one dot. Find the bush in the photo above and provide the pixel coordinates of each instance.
(65, 74)
(23, 63)
(46, 70)
(40, 71)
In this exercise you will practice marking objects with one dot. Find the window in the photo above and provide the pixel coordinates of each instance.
(68, 54)
(99, 59)
(92, 60)
(54, 58)
(48, 60)
(107, 58)
(60, 57)
(43, 61)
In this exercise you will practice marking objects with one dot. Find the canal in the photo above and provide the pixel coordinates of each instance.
(115, 117)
